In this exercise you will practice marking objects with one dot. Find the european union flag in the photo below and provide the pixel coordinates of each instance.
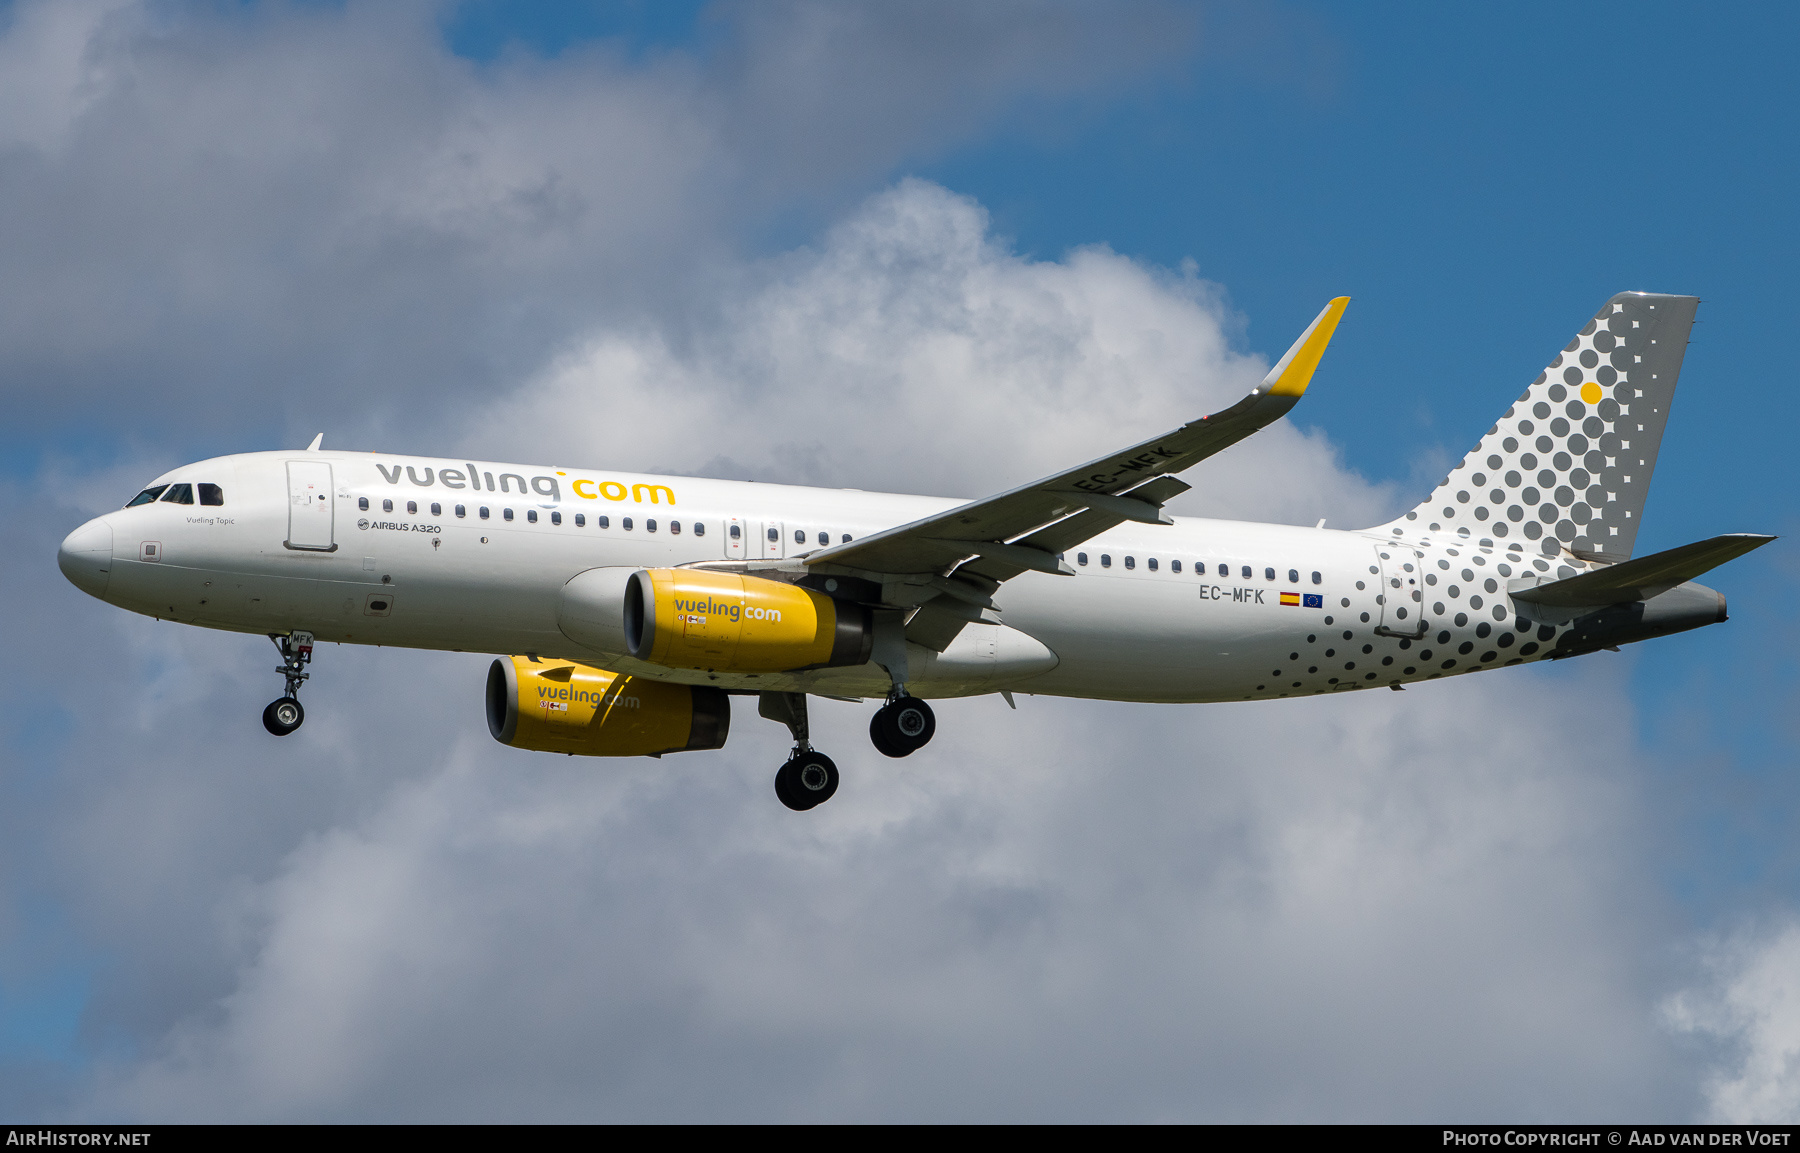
(1314, 601)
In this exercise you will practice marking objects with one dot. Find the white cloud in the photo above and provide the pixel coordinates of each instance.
(236, 218)
(1089, 911)
(913, 350)
(1751, 1006)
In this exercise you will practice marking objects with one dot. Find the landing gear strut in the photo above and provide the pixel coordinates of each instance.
(809, 777)
(285, 715)
(903, 726)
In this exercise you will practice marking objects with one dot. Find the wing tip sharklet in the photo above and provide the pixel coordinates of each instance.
(1294, 371)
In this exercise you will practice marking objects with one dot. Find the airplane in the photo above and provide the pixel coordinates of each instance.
(626, 610)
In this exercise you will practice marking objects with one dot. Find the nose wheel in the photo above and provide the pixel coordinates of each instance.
(903, 726)
(285, 715)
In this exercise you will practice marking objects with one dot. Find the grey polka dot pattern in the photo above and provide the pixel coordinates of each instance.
(1568, 466)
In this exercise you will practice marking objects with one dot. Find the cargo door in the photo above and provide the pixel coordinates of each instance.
(309, 506)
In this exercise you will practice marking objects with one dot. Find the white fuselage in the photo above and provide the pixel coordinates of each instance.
(1186, 612)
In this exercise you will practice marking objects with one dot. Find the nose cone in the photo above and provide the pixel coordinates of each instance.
(86, 557)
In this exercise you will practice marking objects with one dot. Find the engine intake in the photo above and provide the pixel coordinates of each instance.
(696, 619)
(562, 707)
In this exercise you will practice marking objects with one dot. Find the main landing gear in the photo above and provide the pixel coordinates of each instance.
(809, 777)
(903, 726)
(285, 715)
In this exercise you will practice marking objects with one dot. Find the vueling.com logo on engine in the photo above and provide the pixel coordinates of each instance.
(730, 612)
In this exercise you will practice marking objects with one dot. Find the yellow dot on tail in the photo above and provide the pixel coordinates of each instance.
(1590, 392)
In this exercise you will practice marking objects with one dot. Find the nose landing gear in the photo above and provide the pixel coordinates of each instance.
(903, 726)
(809, 778)
(285, 715)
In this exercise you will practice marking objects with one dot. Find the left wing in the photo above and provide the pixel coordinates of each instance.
(952, 562)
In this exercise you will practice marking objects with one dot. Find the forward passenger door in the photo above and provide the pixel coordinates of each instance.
(309, 506)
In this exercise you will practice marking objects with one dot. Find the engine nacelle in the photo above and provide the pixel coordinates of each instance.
(698, 619)
(561, 707)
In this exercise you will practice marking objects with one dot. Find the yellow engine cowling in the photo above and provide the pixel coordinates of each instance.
(697, 619)
(561, 707)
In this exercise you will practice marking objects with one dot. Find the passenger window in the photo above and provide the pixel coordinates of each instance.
(603, 522)
(1246, 572)
(699, 528)
(1268, 574)
(799, 536)
(581, 520)
(1080, 558)
(362, 503)
(506, 514)
(211, 494)
(151, 494)
(1130, 562)
(774, 536)
(531, 515)
(1317, 579)
(1152, 564)
(736, 532)
(824, 538)
(1174, 566)
(556, 518)
(437, 509)
(675, 527)
(484, 512)
(1293, 576)
(412, 506)
(387, 506)
(1225, 570)
(1105, 560)
(846, 539)
(462, 510)
(649, 525)
(625, 523)
(179, 494)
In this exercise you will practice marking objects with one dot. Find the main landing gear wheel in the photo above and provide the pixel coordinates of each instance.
(283, 716)
(902, 727)
(808, 779)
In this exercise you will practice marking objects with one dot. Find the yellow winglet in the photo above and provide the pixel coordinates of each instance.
(1293, 372)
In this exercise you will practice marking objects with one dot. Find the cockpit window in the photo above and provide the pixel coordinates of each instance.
(147, 496)
(211, 494)
(179, 494)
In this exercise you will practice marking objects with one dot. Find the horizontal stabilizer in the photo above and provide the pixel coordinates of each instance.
(1640, 579)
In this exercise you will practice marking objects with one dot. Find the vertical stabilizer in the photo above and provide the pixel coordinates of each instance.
(1569, 464)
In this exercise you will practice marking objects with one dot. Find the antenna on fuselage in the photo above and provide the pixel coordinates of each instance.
(317, 441)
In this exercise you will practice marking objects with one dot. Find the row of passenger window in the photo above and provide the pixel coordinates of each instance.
(180, 494)
(1246, 572)
(482, 512)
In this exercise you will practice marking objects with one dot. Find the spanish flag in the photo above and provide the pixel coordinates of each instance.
(1291, 599)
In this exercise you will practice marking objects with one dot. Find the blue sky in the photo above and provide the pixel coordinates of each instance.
(421, 226)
